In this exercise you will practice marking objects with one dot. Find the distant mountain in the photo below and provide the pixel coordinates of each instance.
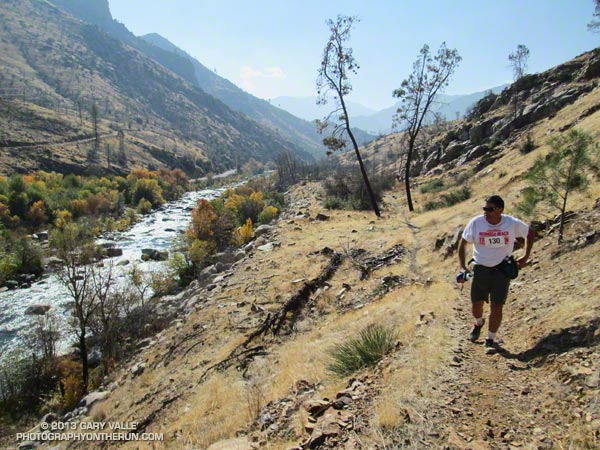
(450, 106)
(380, 122)
(73, 66)
(268, 114)
(307, 108)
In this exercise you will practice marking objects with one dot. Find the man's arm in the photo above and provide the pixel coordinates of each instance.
(522, 262)
(462, 254)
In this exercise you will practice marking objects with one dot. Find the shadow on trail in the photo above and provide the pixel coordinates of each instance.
(558, 342)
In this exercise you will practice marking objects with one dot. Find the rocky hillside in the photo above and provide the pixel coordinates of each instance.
(57, 69)
(499, 122)
(244, 362)
(301, 132)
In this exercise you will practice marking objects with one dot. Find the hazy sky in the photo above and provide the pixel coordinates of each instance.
(273, 48)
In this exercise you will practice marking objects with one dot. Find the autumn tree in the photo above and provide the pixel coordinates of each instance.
(553, 178)
(417, 93)
(337, 64)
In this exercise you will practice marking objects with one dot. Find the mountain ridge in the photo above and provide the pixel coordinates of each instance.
(261, 110)
(73, 65)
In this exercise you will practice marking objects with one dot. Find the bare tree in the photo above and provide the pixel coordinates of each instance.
(518, 61)
(74, 248)
(417, 93)
(336, 65)
(121, 157)
(594, 25)
(108, 309)
(94, 151)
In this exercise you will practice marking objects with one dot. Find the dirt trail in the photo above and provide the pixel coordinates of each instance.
(491, 401)
(540, 390)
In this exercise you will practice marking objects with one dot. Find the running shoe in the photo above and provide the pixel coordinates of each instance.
(476, 331)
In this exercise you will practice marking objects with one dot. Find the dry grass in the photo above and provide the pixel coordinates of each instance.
(227, 403)
(215, 411)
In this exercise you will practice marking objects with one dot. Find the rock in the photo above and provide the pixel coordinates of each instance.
(137, 369)
(11, 284)
(37, 310)
(322, 217)
(241, 443)
(476, 152)
(123, 262)
(451, 152)
(316, 407)
(150, 254)
(52, 261)
(49, 418)
(266, 248)
(113, 252)
(481, 130)
(263, 229)
(593, 381)
(92, 398)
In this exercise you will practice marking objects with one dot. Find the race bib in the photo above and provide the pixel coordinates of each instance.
(494, 238)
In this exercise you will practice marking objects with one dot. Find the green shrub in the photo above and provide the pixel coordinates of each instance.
(333, 203)
(372, 344)
(268, 214)
(452, 198)
(433, 186)
(527, 145)
(347, 189)
(144, 206)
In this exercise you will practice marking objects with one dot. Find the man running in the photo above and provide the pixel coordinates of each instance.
(493, 235)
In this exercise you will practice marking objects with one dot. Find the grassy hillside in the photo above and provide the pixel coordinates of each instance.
(216, 380)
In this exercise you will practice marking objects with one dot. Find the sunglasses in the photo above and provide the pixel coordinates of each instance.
(488, 208)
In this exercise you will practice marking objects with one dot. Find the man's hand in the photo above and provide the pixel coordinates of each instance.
(522, 262)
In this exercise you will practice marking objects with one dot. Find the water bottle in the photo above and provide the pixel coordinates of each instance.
(463, 277)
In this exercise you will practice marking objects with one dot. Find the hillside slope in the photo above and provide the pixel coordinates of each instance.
(219, 377)
(56, 68)
(298, 130)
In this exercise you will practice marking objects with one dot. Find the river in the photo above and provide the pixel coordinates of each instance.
(156, 230)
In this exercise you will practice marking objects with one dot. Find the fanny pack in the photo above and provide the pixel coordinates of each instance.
(509, 268)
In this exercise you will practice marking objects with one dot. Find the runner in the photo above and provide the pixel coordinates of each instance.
(493, 235)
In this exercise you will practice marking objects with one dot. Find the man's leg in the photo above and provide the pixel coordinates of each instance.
(477, 309)
(495, 316)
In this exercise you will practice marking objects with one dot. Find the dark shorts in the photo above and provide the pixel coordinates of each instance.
(489, 284)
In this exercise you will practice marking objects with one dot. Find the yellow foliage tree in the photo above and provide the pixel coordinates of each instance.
(203, 219)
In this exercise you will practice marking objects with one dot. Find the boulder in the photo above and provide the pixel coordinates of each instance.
(481, 130)
(52, 261)
(113, 252)
(150, 254)
(477, 152)
(91, 398)
(452, 152)
(37, 310)
(11, 284)
(263, 229)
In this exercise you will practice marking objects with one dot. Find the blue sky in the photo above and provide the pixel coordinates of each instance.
(273, 48)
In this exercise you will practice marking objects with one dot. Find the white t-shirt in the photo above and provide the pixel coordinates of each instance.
(493, 243)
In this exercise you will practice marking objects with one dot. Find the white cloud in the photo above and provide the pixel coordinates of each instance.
(260, 82)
